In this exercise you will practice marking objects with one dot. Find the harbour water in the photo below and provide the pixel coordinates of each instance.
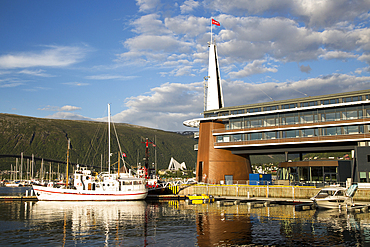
(175, 223)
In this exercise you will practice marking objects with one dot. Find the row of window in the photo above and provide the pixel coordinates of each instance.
(291, 106)
(268, 135)
(303, 117)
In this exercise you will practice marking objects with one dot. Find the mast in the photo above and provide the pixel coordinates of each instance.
(69, 140)
(109, 138)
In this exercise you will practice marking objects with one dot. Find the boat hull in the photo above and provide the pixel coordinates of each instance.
(58, 194)
(330, 204)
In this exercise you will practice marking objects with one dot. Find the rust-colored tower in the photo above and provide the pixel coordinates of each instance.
(214, 164)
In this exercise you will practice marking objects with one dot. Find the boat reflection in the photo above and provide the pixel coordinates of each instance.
(113, 220)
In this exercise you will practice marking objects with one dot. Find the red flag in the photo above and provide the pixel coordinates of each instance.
(215, 22)
(123, 155)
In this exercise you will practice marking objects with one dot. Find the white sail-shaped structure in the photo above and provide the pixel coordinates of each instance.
(215, 99)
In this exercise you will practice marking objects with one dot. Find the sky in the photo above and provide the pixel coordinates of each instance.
(147, 58)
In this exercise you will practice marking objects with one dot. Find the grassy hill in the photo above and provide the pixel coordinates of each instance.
(48, 138)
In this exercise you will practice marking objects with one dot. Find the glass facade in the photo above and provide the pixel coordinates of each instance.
(312, 103)
(310, 174)
(300, 117)
(300, 121)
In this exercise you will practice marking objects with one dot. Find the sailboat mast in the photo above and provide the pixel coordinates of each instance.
(69, 141)
(109, 138)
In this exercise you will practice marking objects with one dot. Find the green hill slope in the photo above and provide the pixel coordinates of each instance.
(48, 138)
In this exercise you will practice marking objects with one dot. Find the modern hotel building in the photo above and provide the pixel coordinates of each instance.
(326, 123)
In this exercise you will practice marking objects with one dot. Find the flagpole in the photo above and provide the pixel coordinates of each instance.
(211, 30)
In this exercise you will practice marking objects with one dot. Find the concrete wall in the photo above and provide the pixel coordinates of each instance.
(275, 191)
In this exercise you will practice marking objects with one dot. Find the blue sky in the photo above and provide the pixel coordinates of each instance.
(147, 58)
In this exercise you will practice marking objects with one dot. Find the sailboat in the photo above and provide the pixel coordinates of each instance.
(92, 186)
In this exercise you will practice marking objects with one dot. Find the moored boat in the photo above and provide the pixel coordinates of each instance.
(89, 186)
(92, 186)
(334, 197)
(200, 199)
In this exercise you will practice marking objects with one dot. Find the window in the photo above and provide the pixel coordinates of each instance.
(351, 99)
(368, 158)
(330, 116)
(236, 123)
(254, 110)
(311, 103)
(219, 139)
(329, 101)
(331, 131)
(236, 138)
(271, 135)
(237, 112)
(254, 123)
(290, 133)
(270, 108)
(350, 115)
(256, 136)
(289, 119)
(270, 122)
(289, 106)
(310, 132)
(363, 177)
(308, 117)
(349, 130)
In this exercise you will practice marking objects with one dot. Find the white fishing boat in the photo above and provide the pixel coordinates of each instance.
(91, 186)
(334, 197)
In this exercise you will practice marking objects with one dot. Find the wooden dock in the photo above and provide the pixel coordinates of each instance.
(18, 198)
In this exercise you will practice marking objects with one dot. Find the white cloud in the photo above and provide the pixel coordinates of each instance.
(76, 84)
(240, 39)
(256, 67)
(54, 56)
(249, 93)
(109, 77)
(63, 108)
(314, 13)
(38, 72)
(68, 115)
(188, 6)
(147, 5)
(338, 55)
(166, 106)
(365, 58)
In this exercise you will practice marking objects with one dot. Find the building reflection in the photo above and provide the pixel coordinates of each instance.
(143, 223)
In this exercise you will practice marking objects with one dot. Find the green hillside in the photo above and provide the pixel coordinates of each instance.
(48, 138)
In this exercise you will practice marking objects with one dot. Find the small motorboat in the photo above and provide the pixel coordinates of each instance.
(334, 197)
(200, 199)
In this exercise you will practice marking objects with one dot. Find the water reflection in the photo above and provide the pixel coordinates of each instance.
(84, 219)
(176, 223)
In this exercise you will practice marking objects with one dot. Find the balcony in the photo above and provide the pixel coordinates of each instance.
(292, 126)
(333, 138)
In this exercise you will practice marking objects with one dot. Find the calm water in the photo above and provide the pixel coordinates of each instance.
(175, 223)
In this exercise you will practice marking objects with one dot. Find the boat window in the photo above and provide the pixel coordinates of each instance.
(363, 177)
(339, 193)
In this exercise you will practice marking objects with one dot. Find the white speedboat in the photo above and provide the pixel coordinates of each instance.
(334, 197)
(88, 186)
